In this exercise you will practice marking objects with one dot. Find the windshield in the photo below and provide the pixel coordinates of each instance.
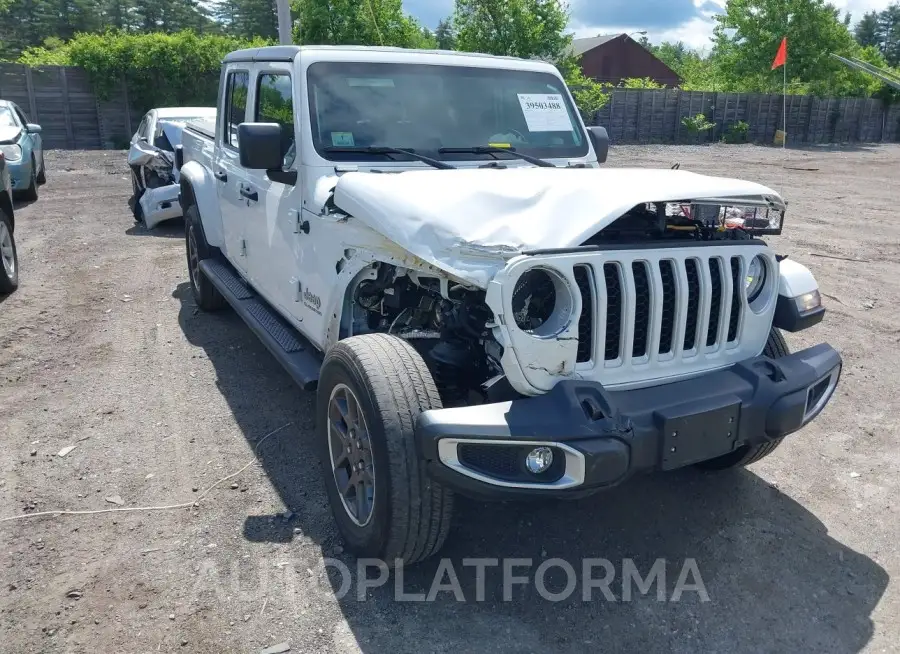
(6, 118)
(428, 108)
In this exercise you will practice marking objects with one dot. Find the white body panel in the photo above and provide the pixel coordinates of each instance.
(796, 279)
(438, 214)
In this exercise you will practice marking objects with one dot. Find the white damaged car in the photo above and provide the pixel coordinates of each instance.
(430, 241)
(153, 160)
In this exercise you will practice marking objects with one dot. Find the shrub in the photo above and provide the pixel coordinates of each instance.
(736, 132)
(697, 125)
(159, 69)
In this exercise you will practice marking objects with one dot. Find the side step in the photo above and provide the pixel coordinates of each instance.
(301, 360)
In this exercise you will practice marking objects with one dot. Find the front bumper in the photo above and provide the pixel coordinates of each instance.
(600, 438)
(160, 204)
(19, 174)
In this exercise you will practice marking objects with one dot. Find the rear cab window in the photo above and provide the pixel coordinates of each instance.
(275, 104)
(237, 84)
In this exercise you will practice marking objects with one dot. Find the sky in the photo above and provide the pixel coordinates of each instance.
(664, 20)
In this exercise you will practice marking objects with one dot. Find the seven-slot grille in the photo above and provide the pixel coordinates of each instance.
(642, 310)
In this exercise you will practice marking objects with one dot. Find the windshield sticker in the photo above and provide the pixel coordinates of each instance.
(545, 112)
(342, 139)
(370, 81)
(500, 145)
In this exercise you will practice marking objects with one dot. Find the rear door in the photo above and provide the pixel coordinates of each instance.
(231, 179)
(272, 219)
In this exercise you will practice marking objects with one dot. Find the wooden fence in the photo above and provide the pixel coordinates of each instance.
(655, 116)
(61, 100)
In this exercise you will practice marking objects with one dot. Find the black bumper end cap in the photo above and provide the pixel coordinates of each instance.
(789, 318)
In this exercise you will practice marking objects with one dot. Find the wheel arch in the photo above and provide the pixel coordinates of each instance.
(197, 188)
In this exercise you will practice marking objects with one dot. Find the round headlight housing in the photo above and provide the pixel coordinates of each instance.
(542, 303)
(12, 152)
(755, 280)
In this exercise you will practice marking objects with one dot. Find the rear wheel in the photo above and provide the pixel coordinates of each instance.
(9, 262)
(371, 392)
(776, 347)
(205, 294)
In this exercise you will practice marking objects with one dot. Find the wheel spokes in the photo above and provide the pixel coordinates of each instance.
(351, 455)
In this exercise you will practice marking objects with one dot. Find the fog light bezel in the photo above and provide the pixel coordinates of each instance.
(573, 475)
(810, 413)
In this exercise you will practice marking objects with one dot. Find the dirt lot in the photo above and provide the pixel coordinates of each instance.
(103, 349)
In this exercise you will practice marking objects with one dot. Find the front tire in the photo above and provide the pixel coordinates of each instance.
(136, 193)
(42, 176)
(9, 261)
(31, 193)
(197, 249)
(371, 391)
(776, 347)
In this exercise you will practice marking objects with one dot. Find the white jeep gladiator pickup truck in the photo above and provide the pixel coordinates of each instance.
(428, 239)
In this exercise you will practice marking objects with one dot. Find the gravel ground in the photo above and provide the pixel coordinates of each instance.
(103, 349)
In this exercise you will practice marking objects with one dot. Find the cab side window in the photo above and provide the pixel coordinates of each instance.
(142, 128)
(275, 104)
(237, 84)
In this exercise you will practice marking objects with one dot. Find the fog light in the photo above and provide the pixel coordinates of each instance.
(539, 459)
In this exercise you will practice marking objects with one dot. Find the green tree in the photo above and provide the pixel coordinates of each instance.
(672, 54)
(889, 33)
(867, 30)
(373, 22)
(444, 34)
(247, 18)
(743, 58)
(518, 28)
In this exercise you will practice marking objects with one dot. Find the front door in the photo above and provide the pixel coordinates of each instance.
(231, 180)
(272, 227)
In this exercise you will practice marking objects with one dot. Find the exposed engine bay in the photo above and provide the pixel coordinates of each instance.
(683, 221)
(449, 325)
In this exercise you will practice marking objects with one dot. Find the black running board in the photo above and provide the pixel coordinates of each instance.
(301, 360)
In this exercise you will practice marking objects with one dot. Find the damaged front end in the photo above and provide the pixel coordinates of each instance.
(157, 176)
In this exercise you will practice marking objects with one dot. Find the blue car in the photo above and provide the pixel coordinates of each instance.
(20, 142)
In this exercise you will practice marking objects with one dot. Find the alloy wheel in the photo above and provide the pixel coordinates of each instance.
(350, 452)
(7, 252)
(193, 259)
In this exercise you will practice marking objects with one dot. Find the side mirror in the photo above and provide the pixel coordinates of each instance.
(32, 128)
(261, 147)
(600, 141)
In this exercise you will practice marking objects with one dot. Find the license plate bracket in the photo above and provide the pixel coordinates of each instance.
(693, 437)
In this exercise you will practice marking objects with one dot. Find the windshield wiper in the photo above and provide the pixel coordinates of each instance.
(386, 150)
(490, 149)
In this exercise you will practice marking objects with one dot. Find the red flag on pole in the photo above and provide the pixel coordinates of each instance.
(781, 57)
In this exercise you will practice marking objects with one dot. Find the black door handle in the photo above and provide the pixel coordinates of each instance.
(249, 193)
(222, 176)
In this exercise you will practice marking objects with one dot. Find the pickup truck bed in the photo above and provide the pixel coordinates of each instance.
(203, 126)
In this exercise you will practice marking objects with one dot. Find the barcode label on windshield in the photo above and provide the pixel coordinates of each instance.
(545, 112)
